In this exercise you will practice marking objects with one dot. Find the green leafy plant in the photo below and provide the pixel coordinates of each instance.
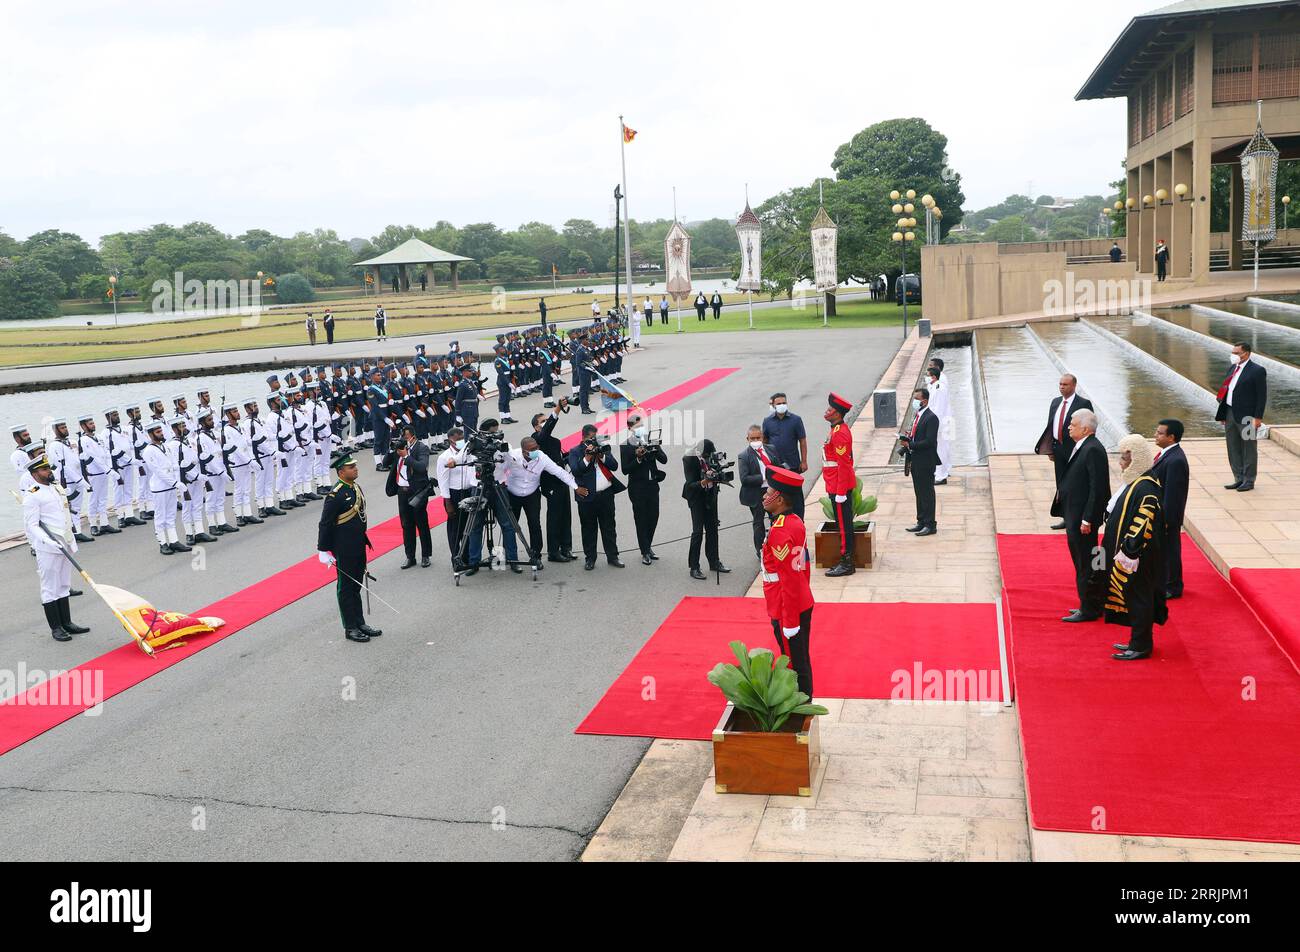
(862, 505)
(766, 691)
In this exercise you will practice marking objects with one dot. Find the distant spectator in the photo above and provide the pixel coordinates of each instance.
(1116, 253)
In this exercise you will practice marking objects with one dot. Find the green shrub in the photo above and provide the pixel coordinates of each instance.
(293, 288)
(767, 692)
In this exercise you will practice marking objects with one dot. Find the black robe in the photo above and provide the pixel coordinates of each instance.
(1136, 527)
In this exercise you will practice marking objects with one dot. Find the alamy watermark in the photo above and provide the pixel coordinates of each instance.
(1077, 295)
(193, 297)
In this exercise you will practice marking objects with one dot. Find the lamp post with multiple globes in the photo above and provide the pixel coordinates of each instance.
(903, 206)
(112, 292)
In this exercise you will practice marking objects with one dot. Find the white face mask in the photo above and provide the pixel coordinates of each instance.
(916, 405)
(533, 454)
(756, 444)
(1235, 358)
(781, 408)
(459, 444)
(641, 432)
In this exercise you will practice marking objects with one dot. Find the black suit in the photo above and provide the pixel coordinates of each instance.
(1061, 449)
(1249, 398)
(596, 509)
(703, 503)
(412, 500)
(752, 489)
(923, 451)
(559, 507)
(1082, 497)
(1174, 475)
(643, 479)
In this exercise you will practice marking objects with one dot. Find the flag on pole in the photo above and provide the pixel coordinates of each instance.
(628, 133)
(612, 396)
(145, 623)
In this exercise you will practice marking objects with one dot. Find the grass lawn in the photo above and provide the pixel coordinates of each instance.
(414, 312)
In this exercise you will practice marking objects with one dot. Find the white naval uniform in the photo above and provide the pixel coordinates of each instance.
(139, 482)
(239, 456)
(97, 460)
(213, 469)
(189, 483)
(302, 452)
(121, 451)
(635, 318)
(280, 429)
(45, 505)
(261, 471)
(322, 437)
(65, 462)
(941, 407)
(163, 480)
(19, 459)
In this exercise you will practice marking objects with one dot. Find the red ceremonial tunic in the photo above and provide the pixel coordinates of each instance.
(786, 570)
(837, 461)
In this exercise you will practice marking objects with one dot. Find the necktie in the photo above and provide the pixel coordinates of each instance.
(401, 471)
(1223, 391)
(605, 469)
(1060, 424)
(916, 422)
(1159, 453)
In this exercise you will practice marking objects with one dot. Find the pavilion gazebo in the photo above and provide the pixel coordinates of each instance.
(413, 252)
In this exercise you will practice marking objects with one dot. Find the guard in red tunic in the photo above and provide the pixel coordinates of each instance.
(837, 471)
(786, 571)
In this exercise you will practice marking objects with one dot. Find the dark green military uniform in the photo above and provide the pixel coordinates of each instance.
(343, 532)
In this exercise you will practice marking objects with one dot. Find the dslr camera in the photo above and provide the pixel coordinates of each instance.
(596, 445)
(717, 469)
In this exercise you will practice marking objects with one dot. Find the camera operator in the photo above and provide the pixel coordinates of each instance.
(488, 446)
(456, 479)
(408, 480)
(641, 460)
(593, 465)
(704, 473)
(522, 472)
(559, 505)
(753, 463)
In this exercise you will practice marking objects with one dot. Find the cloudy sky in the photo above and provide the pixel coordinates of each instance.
(352, 116)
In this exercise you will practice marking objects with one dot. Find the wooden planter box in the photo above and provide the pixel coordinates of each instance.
(827, 542)
(747, 760)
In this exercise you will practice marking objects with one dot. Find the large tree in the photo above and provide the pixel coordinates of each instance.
(28, 290)
(63, 253)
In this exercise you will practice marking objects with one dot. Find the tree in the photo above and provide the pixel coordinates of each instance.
(1010, 230)
(63, 253)
(9, 248)
(1045, 200)
(481, 241)
(508, 266)
(293, 288)
(28, 290)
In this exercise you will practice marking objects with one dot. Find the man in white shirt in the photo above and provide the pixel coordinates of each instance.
(941, 406)
(18, 458)
(44, 509)
(456, 478)
(635, 319)
(521, 471)
(279, 432)
(212, 469)
(237, 453)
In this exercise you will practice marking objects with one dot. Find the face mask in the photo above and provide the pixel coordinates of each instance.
(781, 408)
(916, 405)
(533, 454)
(756, 444)
(1235, 358)
(460, 444)
(641, 432)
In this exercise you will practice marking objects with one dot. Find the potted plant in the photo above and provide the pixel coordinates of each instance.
(766, 741)
(827, 538)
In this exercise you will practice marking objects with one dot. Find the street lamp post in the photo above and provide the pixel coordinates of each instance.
(112, 292)
(904, 207)
(1286, 205)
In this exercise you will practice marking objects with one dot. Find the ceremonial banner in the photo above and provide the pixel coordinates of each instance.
(1259, 178)
(749, 231)
(156, 629)
(677, 262)
(825, 264)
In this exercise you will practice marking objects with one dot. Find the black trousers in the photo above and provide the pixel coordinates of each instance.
(329, 333)
(700, 312)
(379, 329)
(663, 317)
(799, 650)
(844, 524)
(457, 522)
(532, 506)
(559, 518)
(717, 311)
(923, 486)
(415, 521)
(1141, 637)
(759, 517)
(1090, 582)
(1174, 559)
(645, 513)
(704, 528)
(597, 515)
(350, 573)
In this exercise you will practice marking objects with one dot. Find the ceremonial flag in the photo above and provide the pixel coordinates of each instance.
(148, 625)
(825, 266)
(612, 396)
(628, 133)
(749, 231)
(677, 262)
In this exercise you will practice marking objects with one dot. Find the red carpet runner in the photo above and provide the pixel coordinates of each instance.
(860, 650)
(1272, 594)
(53, 702)
(1200, 740)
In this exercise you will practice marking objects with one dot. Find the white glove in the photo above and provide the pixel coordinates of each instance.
(1127, 564)
(326, 558)
(840, 499)
(790, 632)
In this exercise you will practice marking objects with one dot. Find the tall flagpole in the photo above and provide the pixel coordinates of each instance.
(627, 234)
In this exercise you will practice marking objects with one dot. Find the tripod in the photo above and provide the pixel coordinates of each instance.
(476, 503)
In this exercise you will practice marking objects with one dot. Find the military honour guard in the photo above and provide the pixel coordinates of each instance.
(47, 524)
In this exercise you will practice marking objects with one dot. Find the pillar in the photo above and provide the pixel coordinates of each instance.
(428, 274)
(1146, 251)
(1164, 178)
(1181, 238)
(1203, 80)
(403, 279)
(455, 279)
(1133, 221)
(1235, 210)
(379, 287)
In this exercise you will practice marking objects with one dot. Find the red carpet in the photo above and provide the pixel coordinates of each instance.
(49, 704)
(1272, 594)
(1201, 740)
(860, 650)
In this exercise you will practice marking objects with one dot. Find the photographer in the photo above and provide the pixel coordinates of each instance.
(593, 465)
(704, 470)
(522, 472)
(753, 464)
(456, 479)
(559, 507)
(641, 460)
(487, 449)
(408, 480)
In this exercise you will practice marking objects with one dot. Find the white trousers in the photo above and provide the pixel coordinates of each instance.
(124, 493)
(321, 462)
(97, 506)
(192, 508)
(636, 333)
(302, 468)
(944, 449)
(76, 496)
(55, 572)
(163, 504)
(243, 488)
(214, 502)
(284, 476)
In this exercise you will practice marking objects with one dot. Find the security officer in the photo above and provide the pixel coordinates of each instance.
(786, 573)
(342, 543)
(139, 440)
(44, 509)
(840, 479)
(213, 472)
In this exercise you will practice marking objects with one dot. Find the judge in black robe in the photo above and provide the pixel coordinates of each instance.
(1135, 554)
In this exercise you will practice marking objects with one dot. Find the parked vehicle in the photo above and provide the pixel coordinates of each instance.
(912, 282)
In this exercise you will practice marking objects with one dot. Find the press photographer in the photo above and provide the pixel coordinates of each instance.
(592, 464)
(706, 470)
(521, 471)
(641, 456)
(408, 479)
(559, 507)
(484, 450)
(456, 479)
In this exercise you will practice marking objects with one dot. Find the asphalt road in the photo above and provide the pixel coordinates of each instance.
(459, 743)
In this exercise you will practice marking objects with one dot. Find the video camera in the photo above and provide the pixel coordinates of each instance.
(717, 469)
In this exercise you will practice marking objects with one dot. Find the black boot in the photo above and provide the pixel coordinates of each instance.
(204, 537)
(253, 521)
(55, 622)
(82, 537)
(165, 548)
(844, 567)
(241, 521)
(181, 547)
(109, 529)
(274, 511)
(65, 614)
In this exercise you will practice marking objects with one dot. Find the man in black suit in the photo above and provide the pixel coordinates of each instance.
(752, 466)
(641, 466)
(922, 448)
(1081, 502)
(1172, 471)
(1242, 399)
(701, 495)
(559, 509)
(1055, 441)
(408, 480)
(593, 466)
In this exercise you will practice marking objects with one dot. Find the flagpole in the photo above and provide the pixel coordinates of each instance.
(627, 236)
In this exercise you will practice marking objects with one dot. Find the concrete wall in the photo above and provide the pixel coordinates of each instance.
(1075, 248)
